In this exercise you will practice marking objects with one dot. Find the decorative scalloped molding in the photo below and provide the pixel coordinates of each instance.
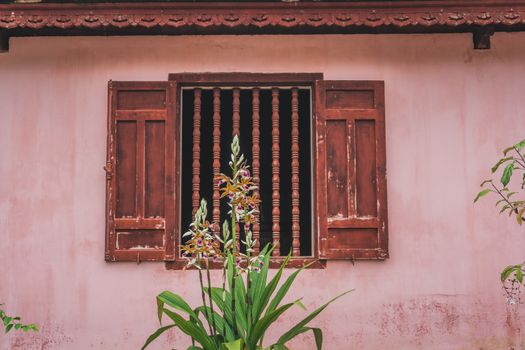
(420, 15)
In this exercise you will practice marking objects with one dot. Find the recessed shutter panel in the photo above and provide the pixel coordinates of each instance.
(350, 171)
(140, 170)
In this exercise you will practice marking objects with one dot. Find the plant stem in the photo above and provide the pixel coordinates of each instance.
(204, 298)
(248, 287)
(210, 299)
(521, 156)
(514, 209)
(234, 316)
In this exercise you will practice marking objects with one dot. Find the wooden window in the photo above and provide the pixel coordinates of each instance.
(351, 170)
(321, 170)
(140, 168)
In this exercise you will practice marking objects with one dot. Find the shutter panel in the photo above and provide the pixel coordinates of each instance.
(351, 170)
(141, 174)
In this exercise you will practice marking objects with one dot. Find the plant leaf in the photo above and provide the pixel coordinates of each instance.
(481, 194)
(223, 327)
(234, 345)
(297, 329)
(156, 335)
(261, 302)
(507, 174)
(519, 275)
(281, 293)
(8, 328)
(193, 330)
(497, 165)
(520, 145)
(177, 302)
(506, 272)
(262, 325)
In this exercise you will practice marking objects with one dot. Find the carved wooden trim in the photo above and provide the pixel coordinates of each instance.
(196, 179)
(276, 227)
(224, 17)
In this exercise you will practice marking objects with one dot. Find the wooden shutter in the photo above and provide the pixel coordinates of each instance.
(141, 174)
(351, 173)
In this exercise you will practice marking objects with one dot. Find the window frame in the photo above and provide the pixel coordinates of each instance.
(242, 79)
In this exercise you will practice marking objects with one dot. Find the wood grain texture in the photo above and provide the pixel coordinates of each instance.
(351, 170)
(140, 172)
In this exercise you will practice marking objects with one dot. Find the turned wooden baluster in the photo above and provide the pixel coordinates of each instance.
(236, 120)
(216, 157)
(256, 133)
(195, 181)
(276, 227)
(296, 245)
(236, 111)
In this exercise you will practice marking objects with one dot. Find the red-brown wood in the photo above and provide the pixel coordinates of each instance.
(256, 164)
(155, 153)
(261, 17)
(236, 118)
(276, 226)
(216, 156)
(196, 179)
(296, 245)
(351, 170)
(275, 263)
(245, 79)
(140, 172)
(207, 80)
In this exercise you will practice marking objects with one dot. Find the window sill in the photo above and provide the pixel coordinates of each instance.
(275, 263)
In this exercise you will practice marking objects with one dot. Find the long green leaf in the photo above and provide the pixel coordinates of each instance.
(261, 302)
(156, 335)
(177, 302)
(260, 282)
(283, 290)
(193, 330)
(223, 327)
(261, 326)
(240, 305)
(225, 307)
(318, 337)
(294, 331)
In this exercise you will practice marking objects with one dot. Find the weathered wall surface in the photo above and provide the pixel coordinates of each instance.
(449, 111)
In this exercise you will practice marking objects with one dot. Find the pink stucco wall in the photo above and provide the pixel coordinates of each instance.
(450, 110)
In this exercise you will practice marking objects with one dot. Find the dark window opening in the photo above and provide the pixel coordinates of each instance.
(246, 139)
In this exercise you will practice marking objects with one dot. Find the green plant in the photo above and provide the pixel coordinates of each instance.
(236, 315)
(513, 161)
(12, 322)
